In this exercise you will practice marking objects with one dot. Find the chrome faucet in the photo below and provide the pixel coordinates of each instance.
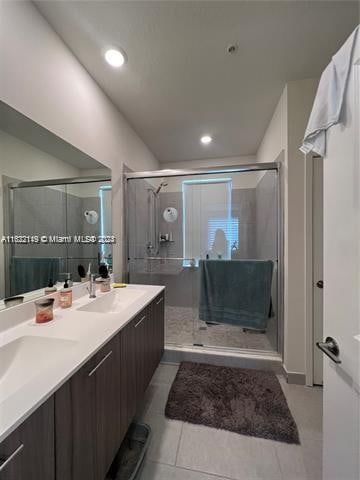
(92, 289)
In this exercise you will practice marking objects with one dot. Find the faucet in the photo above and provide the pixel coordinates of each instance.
(92, 289)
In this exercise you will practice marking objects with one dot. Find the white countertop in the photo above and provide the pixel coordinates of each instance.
(88, 331)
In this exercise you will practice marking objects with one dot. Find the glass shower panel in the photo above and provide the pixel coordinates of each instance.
(155, 250)
(37, 211)
(250, 275)
(88, 213)
(209, 233)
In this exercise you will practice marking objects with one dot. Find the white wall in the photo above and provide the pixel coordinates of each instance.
(283, 137)
(22, 161)
(239, 180)
(210, 162)
(25, 162)
(275, 137)
(42, 79)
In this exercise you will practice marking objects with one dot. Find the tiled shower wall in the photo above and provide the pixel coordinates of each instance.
(266, 239)
(52, 211)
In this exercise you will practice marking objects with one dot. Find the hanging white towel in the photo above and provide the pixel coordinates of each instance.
(329, 98)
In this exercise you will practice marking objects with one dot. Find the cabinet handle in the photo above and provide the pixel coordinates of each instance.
(159, 301)
(141, 320)
(100, 363)
(11, 457)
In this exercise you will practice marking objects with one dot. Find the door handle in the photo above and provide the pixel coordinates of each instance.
(140, 321)
(5, 461)
(331, 348)
(100, 363)
(320, 284)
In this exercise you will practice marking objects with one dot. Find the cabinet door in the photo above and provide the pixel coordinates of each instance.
(108, 406)
(75, 427)
(140, 363)
(88, 418)
(28, 453)
(159, 314)
(127, 372)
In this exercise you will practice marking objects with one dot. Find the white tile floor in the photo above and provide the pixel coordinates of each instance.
(181, 451)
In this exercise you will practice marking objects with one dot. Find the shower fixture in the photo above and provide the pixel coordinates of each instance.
(91, 216)
(170, 214)
(162, 184)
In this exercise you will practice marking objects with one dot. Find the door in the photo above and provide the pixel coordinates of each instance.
(342, 287)
(318, 274)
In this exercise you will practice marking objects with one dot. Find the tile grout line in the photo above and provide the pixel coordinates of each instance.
(178, 446)
(279, 463)
(215, 475)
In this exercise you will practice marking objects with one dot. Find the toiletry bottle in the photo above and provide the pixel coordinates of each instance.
(66, 296)
(50, 288)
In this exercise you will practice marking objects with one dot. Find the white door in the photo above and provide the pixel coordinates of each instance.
(318, 273)
(342, 288)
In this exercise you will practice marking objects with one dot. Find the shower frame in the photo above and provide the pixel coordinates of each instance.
(249, 167)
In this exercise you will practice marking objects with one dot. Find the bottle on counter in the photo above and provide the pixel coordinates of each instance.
(50, 288)
(66, 296)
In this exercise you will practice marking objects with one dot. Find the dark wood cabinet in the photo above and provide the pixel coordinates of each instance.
(87, 418)
(159, 319)
(108, 406)
(28, 453)
(140, 328)
(127, 372)
(76, 433)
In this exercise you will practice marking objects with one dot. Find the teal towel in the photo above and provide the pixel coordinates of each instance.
(28, 274)
(236, 292)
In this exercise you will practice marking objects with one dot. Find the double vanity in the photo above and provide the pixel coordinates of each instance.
(70, 388)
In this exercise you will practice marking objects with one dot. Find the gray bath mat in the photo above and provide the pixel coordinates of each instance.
(250, 402)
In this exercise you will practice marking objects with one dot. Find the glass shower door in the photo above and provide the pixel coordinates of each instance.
(227, 222)
(155, 252)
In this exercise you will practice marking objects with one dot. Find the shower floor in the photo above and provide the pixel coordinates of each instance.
(183, 327)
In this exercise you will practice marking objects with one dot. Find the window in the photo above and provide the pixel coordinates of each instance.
(229, 225)
(208, 228)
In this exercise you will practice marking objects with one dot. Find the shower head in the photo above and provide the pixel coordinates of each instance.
(162, 184)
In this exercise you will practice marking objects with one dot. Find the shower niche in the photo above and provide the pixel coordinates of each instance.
(213, 240)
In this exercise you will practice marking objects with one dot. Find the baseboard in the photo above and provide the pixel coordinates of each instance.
(294, 378)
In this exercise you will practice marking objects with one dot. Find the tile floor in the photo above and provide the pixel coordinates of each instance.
(182, 327)
(181, 451)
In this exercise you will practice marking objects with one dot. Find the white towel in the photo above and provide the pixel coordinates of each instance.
(329, 98)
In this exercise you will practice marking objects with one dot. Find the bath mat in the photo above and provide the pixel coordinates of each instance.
(249, 402)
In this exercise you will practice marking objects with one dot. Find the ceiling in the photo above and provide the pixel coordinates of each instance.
(180, 82)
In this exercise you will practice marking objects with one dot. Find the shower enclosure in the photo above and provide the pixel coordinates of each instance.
(61, 213)
(213, 239)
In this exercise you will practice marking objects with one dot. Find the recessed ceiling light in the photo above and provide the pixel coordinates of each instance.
(115, 57)
(206, 139)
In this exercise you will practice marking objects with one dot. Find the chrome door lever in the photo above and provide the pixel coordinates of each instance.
(331, 348)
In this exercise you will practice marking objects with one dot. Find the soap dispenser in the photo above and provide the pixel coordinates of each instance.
(50, 288)
(66, 296)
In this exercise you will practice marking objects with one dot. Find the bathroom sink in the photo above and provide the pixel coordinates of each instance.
(25, 358)
(115, 301)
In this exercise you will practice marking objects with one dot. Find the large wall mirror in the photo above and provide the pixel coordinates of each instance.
(55, 210)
